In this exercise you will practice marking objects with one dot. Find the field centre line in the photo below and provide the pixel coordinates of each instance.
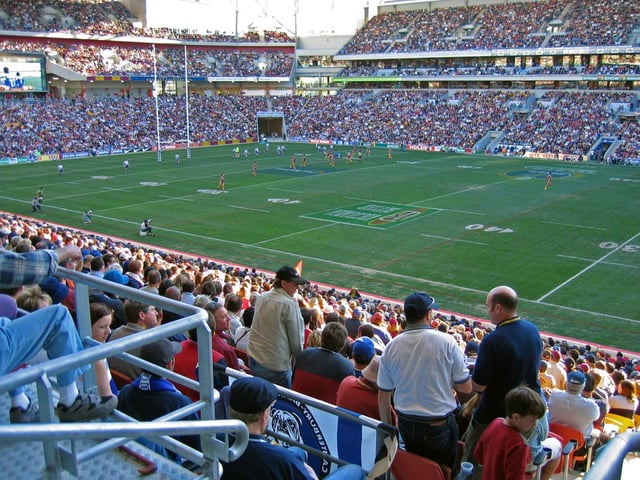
(589, 267)
(577, 226)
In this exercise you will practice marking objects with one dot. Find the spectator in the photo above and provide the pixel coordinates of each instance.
(360, 394)
(570, 408)
(277, 334)
(101, 318)
(243, 333)
(509, 357)
(140, 317)
(625, 402)
(502, 449)
(250, 400)
(51, 329)
(151, 396)
(319, 370)
(233, 304)
(421, 368)
(362, 351)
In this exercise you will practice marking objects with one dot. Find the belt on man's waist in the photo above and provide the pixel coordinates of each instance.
(433, 421)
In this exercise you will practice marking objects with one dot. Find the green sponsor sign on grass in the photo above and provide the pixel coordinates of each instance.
(372, 214)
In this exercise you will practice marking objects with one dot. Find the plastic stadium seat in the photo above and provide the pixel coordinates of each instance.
(409, 466)
(582, 447)
(120, 379)
(623, 423)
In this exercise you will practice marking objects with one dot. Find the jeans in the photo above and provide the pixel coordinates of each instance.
(437, 441)
(279, 378)
(346, 472)
(51, 329)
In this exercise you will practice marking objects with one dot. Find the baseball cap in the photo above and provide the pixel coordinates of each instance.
(363, 349)
(252, 395)
(290, 274)
(575, 381)
(160, 352)
(57, 290)
(116, 277)
(418, 304)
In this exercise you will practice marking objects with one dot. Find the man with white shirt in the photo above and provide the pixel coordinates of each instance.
(570, 408)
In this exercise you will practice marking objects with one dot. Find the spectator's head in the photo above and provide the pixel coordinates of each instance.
(575, 382)
(57, 290)
(247, 316)
(8, 306)
(502, 304)
(116, 277)
(334, 336)
(161, 353)
(97, 264)
(362, 350)
(626, 388)
(523, 408)
(154, 277)
(140, 313)
(417, 307)
(101, 318)
(33, 298)
(250, 400)
(314, 339)
(289, 280)
(233, 303)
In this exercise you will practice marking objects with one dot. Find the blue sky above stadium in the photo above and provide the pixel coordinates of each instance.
(314, 17)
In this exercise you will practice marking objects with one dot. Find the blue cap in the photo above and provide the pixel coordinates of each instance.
(363, 349)
(576, 378)
(252, 395)
(417, 305)
(116, 277)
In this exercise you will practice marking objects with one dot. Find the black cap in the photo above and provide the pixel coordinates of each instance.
(290, 274)
(252, 395)
(160, 352)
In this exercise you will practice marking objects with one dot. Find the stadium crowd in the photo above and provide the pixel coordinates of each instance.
(556, 23)
(560, 122)
(353, 330)
(108, 19)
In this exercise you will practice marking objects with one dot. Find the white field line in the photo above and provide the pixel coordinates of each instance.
(576, 226)
(454, 239)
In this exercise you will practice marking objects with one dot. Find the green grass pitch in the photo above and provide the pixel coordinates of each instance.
(452, 225)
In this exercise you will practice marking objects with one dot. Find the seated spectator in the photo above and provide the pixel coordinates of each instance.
(570, 408)
(360, 394)
(51, 329)
(625, 402)
(250, 400)
(151, 396)
(241, 338)
(502, 449)
(186, 361)
(362, 351)
(140, 317)
(353, 322)
(318, 371)
(101, 318)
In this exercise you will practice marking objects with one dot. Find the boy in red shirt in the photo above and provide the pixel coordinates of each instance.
(502, 451)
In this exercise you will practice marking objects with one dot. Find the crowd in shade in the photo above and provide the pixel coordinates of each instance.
(94, 58)
(556, 122)
(108, 19)
(554, 23)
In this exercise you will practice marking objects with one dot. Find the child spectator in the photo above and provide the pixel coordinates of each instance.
(501, 449)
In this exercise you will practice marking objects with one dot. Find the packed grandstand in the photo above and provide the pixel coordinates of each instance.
(552, 79)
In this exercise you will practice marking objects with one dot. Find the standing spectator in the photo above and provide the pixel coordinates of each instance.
(502, 450)
(421, 368)
(277, 334)
(509, 357)
(319, 370)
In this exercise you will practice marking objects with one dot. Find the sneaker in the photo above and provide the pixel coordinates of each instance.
(31, 414)
(87, 406)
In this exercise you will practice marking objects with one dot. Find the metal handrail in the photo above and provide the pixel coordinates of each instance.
(80, 431)
(58, 457)
(609, 460)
